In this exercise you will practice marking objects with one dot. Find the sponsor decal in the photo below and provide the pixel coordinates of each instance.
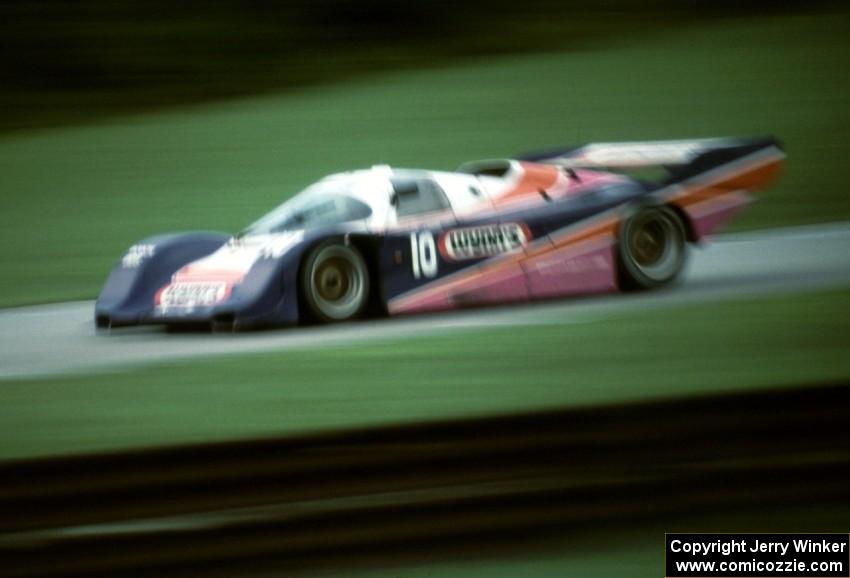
(582, 264)
(192, 294)
(136, 254)
(278, 244)
(483, 241)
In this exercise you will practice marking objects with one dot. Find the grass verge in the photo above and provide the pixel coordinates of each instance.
(670, 352)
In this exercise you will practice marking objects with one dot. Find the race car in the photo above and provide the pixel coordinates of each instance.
(384, 240)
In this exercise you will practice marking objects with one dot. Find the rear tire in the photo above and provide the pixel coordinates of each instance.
(652, 249)
(335, 282)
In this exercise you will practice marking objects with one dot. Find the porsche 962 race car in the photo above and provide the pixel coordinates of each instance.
(394, 241)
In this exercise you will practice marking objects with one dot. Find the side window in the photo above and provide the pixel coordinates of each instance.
(415, 196)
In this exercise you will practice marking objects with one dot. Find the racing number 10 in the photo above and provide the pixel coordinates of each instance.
(423, 253)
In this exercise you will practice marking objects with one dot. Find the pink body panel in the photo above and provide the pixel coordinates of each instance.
(483, 285)
(588, 268)
(583, 268)
(499, 286)
(708, 216)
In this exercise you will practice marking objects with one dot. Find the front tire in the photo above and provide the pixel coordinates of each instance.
(652, 249)
(335, 282)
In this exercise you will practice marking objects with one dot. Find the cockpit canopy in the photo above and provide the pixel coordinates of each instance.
(328, 202)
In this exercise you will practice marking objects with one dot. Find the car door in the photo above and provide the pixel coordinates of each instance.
(411, 262)
(442, 256)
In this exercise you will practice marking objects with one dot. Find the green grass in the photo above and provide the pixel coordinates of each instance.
(652, 354)
(73, 199)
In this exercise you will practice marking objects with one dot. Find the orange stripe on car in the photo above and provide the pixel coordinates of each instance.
(750, 178)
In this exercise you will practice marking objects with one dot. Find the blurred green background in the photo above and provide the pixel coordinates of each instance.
(64, 61)
(125, 120)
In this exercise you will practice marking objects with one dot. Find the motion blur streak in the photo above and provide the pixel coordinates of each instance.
(335, 499)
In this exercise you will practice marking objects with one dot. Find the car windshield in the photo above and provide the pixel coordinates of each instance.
(320, 205)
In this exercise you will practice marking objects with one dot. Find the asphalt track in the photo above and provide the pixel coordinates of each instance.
(61, 338)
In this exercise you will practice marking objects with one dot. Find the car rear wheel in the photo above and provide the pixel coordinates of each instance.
(651, 248)
(335, 282)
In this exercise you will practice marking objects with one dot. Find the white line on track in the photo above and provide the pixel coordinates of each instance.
(61, 338)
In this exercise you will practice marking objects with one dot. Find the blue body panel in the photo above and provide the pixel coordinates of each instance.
(127, 296)
(267, 295)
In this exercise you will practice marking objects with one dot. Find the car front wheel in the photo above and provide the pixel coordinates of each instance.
(335, 282)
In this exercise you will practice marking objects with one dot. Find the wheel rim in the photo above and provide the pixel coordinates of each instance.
(655, 244)
(333, 279)
(338, 283)
(648, 243)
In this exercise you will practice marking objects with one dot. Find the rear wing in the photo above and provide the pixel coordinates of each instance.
(681, 158)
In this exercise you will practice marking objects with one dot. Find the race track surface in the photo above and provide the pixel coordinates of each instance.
(60, 338)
